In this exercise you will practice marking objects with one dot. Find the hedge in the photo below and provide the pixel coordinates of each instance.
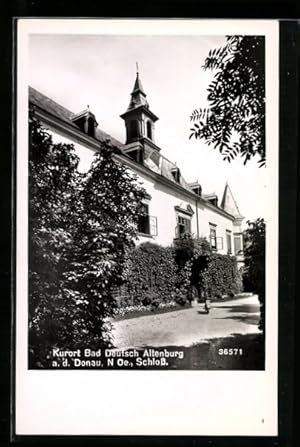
(220, 276)
(151, 277)
(158, 276)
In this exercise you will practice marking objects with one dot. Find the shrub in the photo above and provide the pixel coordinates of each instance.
(187, 249)
(151, 274)
(184, 250)
(183, 283)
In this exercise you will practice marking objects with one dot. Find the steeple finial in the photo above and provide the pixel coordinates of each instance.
(137, 68)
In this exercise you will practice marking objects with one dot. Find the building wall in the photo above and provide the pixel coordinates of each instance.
(208, 217)
(162, 205)
(166, 199)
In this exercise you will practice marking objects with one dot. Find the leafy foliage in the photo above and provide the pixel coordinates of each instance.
(205, 272)
(151, 275)
(254, 252)
(81, 227)
(234, 123)
(186, 249)
(158, 276)
(220, 276)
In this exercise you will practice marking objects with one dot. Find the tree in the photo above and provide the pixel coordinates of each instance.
(80, 228)
(52, 183)
(234, 122)
(254, 253)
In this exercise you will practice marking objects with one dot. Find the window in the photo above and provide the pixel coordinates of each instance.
(213, 237)
(238, 246)
(183, 227)
(228, 240)
(137, 155)
(134, 129)
(197, 190)
(214, 201)
(147, 224)
(176, 174)
(91, 127)
(86, 121)
(149, 130)
(143, 221)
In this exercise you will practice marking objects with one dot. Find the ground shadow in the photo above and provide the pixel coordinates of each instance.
(248, 319)
(202, 312)
(236, 352)
(243, 308)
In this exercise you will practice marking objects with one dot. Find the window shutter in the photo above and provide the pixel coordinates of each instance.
(237, 244)
(219, 243)
(153, 225)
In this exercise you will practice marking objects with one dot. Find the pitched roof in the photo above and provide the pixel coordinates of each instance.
(229, 204)
(158, 164)
(55, 109)
(163, 166)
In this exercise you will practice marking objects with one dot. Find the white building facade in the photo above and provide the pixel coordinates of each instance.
(174, 208)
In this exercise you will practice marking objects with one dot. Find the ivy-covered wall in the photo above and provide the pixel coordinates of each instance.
(157, 276)
(220, 276)
(151, 275)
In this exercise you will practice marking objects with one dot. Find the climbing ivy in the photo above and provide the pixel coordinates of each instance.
(220, 276)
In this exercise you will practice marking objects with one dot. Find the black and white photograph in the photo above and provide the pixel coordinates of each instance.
(148, 198)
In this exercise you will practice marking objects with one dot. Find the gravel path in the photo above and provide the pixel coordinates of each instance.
(189, 326)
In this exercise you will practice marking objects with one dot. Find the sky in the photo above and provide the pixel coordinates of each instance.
(100, 70)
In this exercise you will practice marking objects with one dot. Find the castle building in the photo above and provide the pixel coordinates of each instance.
(174, 208)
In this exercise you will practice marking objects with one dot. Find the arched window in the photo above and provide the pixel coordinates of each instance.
(149, 130)
(134, 129)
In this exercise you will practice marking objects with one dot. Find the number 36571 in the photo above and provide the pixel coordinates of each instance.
(230, 351)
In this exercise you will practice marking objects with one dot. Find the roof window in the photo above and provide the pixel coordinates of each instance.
(86, 121)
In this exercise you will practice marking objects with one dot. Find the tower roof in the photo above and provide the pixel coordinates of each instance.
(138, 85)
(229, 204)
(138, 101)
(138, 96)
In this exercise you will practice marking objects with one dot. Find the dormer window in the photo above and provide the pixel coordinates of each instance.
(212, 198)
(197, 190)
(176, 174)
(137, 154)
(91, 127)
(86, 121)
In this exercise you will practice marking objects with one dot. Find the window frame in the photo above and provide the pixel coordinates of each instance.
(146, 221)
(185, 223)
(229, 238)
(151, 223)
(238, 236)
(149, 129)
(134, 130)
(213, 228)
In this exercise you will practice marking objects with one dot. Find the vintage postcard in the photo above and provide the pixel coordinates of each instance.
(147, 204)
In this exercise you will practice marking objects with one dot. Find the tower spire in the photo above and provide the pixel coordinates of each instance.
(138, 96)
(138, 88)
(139, 119)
